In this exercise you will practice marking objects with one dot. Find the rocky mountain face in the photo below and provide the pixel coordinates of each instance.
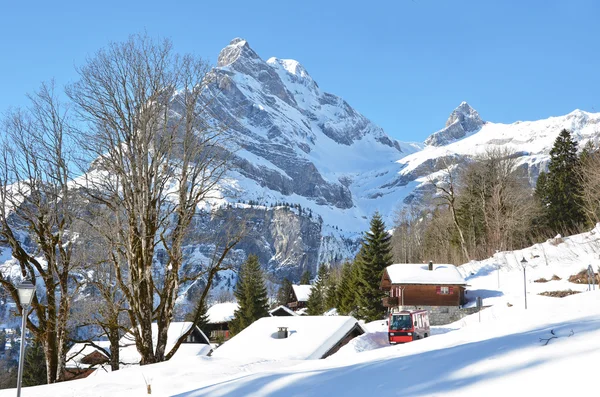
(300, 146)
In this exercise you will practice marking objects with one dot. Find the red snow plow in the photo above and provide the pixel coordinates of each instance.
(406, 326)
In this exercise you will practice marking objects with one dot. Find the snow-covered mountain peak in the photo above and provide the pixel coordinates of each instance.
(292, 73)
(291, 66)
(237, 48)
(462, 121)
(464, 114)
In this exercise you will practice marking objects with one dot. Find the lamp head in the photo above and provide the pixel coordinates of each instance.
(26, 292)
(523, 262)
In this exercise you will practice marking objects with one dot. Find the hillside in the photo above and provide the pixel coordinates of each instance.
(505, 353)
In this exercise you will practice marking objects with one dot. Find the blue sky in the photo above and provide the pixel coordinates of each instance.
(405, 64)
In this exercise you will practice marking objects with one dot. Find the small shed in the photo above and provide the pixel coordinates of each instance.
(299, 296)
(292, 337)
(438, 288)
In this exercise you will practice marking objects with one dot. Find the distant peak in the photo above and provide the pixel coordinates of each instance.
(237, 41)
(237, 48)
(464, 112)
(462, 121)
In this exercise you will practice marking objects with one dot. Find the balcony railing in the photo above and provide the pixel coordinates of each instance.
(219, 334)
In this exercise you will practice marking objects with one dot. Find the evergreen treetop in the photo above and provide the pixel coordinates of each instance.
(318, 293)
(284, 293)
(251, 295)
(305, 278)
(561, 191)
(374, 257)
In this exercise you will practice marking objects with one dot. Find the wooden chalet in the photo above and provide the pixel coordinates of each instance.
(83, 359)
(421, 285)
(219, 315)
(299, 296)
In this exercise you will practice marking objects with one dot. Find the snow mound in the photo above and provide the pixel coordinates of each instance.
(362, 343)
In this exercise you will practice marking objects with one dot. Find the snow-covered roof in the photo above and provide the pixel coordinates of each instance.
(221, 312)
(284, 308)
(81, 350)
(302, 292)
(417, 273)
(309, 338)
(128, 351)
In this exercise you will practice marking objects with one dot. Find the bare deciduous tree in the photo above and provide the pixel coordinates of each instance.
(159, 156)
(36, 216)
(590, 176)
(447, 195)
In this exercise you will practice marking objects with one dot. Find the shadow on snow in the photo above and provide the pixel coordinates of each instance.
(420, 374)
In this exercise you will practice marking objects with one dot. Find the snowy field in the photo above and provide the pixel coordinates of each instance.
(504, 353)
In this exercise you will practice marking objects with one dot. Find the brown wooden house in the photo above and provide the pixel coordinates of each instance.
(219, 315)
(438, 288)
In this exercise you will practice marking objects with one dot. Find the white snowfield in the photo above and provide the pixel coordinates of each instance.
(505, 354)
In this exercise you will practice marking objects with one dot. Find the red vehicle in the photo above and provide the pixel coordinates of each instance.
(406, 326)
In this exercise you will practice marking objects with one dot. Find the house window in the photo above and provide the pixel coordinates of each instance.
(444, 290)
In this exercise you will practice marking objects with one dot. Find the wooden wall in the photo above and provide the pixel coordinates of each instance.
(427, 295)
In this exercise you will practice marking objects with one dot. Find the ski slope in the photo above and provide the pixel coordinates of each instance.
(504, 353)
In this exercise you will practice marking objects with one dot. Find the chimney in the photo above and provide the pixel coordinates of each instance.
(430, 265)
(282, 332)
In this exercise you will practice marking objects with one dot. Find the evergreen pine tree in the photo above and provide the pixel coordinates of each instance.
(202, 322)
(305, 278)
(251, 295)
(34, 368)
(562, 187)
(284, 293)
(374, 257)
(346, 292)
(332, 297)
(316, 300)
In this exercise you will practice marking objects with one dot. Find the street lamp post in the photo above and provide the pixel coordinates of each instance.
(524, 265)
(26, 292)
